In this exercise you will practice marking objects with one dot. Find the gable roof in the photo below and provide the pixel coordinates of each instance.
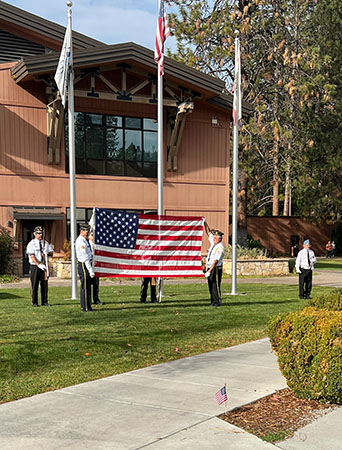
(30, 67)
(42, 31)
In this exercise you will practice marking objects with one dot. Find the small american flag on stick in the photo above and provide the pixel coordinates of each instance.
(163, 32)
(143, 245)
(221, 395)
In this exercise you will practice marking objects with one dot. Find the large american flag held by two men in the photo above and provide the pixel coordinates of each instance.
(144, 245)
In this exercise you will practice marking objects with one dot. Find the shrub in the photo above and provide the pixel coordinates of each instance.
(292, 265)
(67, 250)
(309, 348)
(245, 253)
(6, 250)
(331, 301)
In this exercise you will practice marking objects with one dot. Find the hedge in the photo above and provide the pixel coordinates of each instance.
(309, 348)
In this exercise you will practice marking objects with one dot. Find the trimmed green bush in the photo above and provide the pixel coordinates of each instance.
(331, 301)
(309, 348)
(6, 249)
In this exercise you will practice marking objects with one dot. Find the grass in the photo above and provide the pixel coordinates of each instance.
(329, 264)
(43, 349)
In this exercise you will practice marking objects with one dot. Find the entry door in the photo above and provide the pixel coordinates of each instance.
(28, 227)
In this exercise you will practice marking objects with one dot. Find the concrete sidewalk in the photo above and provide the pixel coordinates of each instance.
(168, 406)
(165, 407)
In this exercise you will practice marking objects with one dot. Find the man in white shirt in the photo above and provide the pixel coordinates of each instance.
(304, 266)
(38, 250)
(85, 269)
(214, 265)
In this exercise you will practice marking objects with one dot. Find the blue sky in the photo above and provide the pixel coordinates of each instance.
(110, 21)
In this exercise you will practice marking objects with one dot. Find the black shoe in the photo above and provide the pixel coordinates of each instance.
(215, 304)
(154, 301)
(35, 305)
(142, 301)
(90, 309)
(98, 303)
(46, 304)
(302, 298)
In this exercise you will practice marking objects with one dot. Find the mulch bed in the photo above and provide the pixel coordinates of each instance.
(277, 416)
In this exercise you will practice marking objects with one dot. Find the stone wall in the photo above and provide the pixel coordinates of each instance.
(259, 267)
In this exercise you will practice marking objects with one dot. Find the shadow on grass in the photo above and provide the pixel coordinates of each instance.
(7, 296)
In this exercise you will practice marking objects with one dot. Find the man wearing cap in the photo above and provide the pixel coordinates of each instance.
(304, 266)
(214, 265)
(38, 250)
(85, 269)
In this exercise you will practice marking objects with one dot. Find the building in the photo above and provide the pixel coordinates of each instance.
(115, 133)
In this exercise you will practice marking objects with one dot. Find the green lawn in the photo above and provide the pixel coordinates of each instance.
(329, 264)
(42, 349)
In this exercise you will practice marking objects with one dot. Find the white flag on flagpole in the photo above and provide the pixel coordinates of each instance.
(64, 65)
(237, 84)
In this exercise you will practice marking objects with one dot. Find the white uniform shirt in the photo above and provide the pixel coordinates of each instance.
(34, 248)
(215, 253)
(84, 253)
(302, 260)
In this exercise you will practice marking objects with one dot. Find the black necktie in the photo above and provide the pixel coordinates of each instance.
(308, 259)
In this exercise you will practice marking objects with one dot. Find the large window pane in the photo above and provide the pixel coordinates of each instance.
(150, 146)
(133, 122)
(114, 121)
(114, 148)
(95, 143)
(150, 124)
(133, 145)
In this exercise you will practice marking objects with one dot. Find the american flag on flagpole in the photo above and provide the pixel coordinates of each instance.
(221, 395)
(237, 85)
(163, 32)
(144, 245)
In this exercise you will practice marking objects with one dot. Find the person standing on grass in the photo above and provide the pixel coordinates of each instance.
(144, 287)
(38, 250)
(85, 268)
(304, 266)
(94, 282)
(214, 264)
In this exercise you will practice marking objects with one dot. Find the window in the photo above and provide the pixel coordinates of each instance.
(114, 145)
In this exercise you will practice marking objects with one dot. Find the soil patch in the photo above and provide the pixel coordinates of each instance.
(277, 416)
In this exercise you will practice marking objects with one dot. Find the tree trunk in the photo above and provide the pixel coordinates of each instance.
(275, 183)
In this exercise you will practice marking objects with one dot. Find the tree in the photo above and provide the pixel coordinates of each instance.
(283, 77)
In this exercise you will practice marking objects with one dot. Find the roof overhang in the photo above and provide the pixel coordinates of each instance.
(32, 213)
(108, 55)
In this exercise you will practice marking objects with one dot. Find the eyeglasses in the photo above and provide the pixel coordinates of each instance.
(38, 232)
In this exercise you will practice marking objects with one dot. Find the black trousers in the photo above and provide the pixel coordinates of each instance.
(305, 283)
(95, 283)
(37, 276)
(214, 285)
(143, 290)
(85, 279)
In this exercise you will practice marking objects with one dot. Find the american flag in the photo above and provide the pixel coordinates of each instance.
(143, 245)
(237, 85)
(221, 395)
(162, 34)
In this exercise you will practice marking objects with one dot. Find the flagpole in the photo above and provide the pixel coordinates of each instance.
(235, 173)
(160, 164)
(72, 168)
